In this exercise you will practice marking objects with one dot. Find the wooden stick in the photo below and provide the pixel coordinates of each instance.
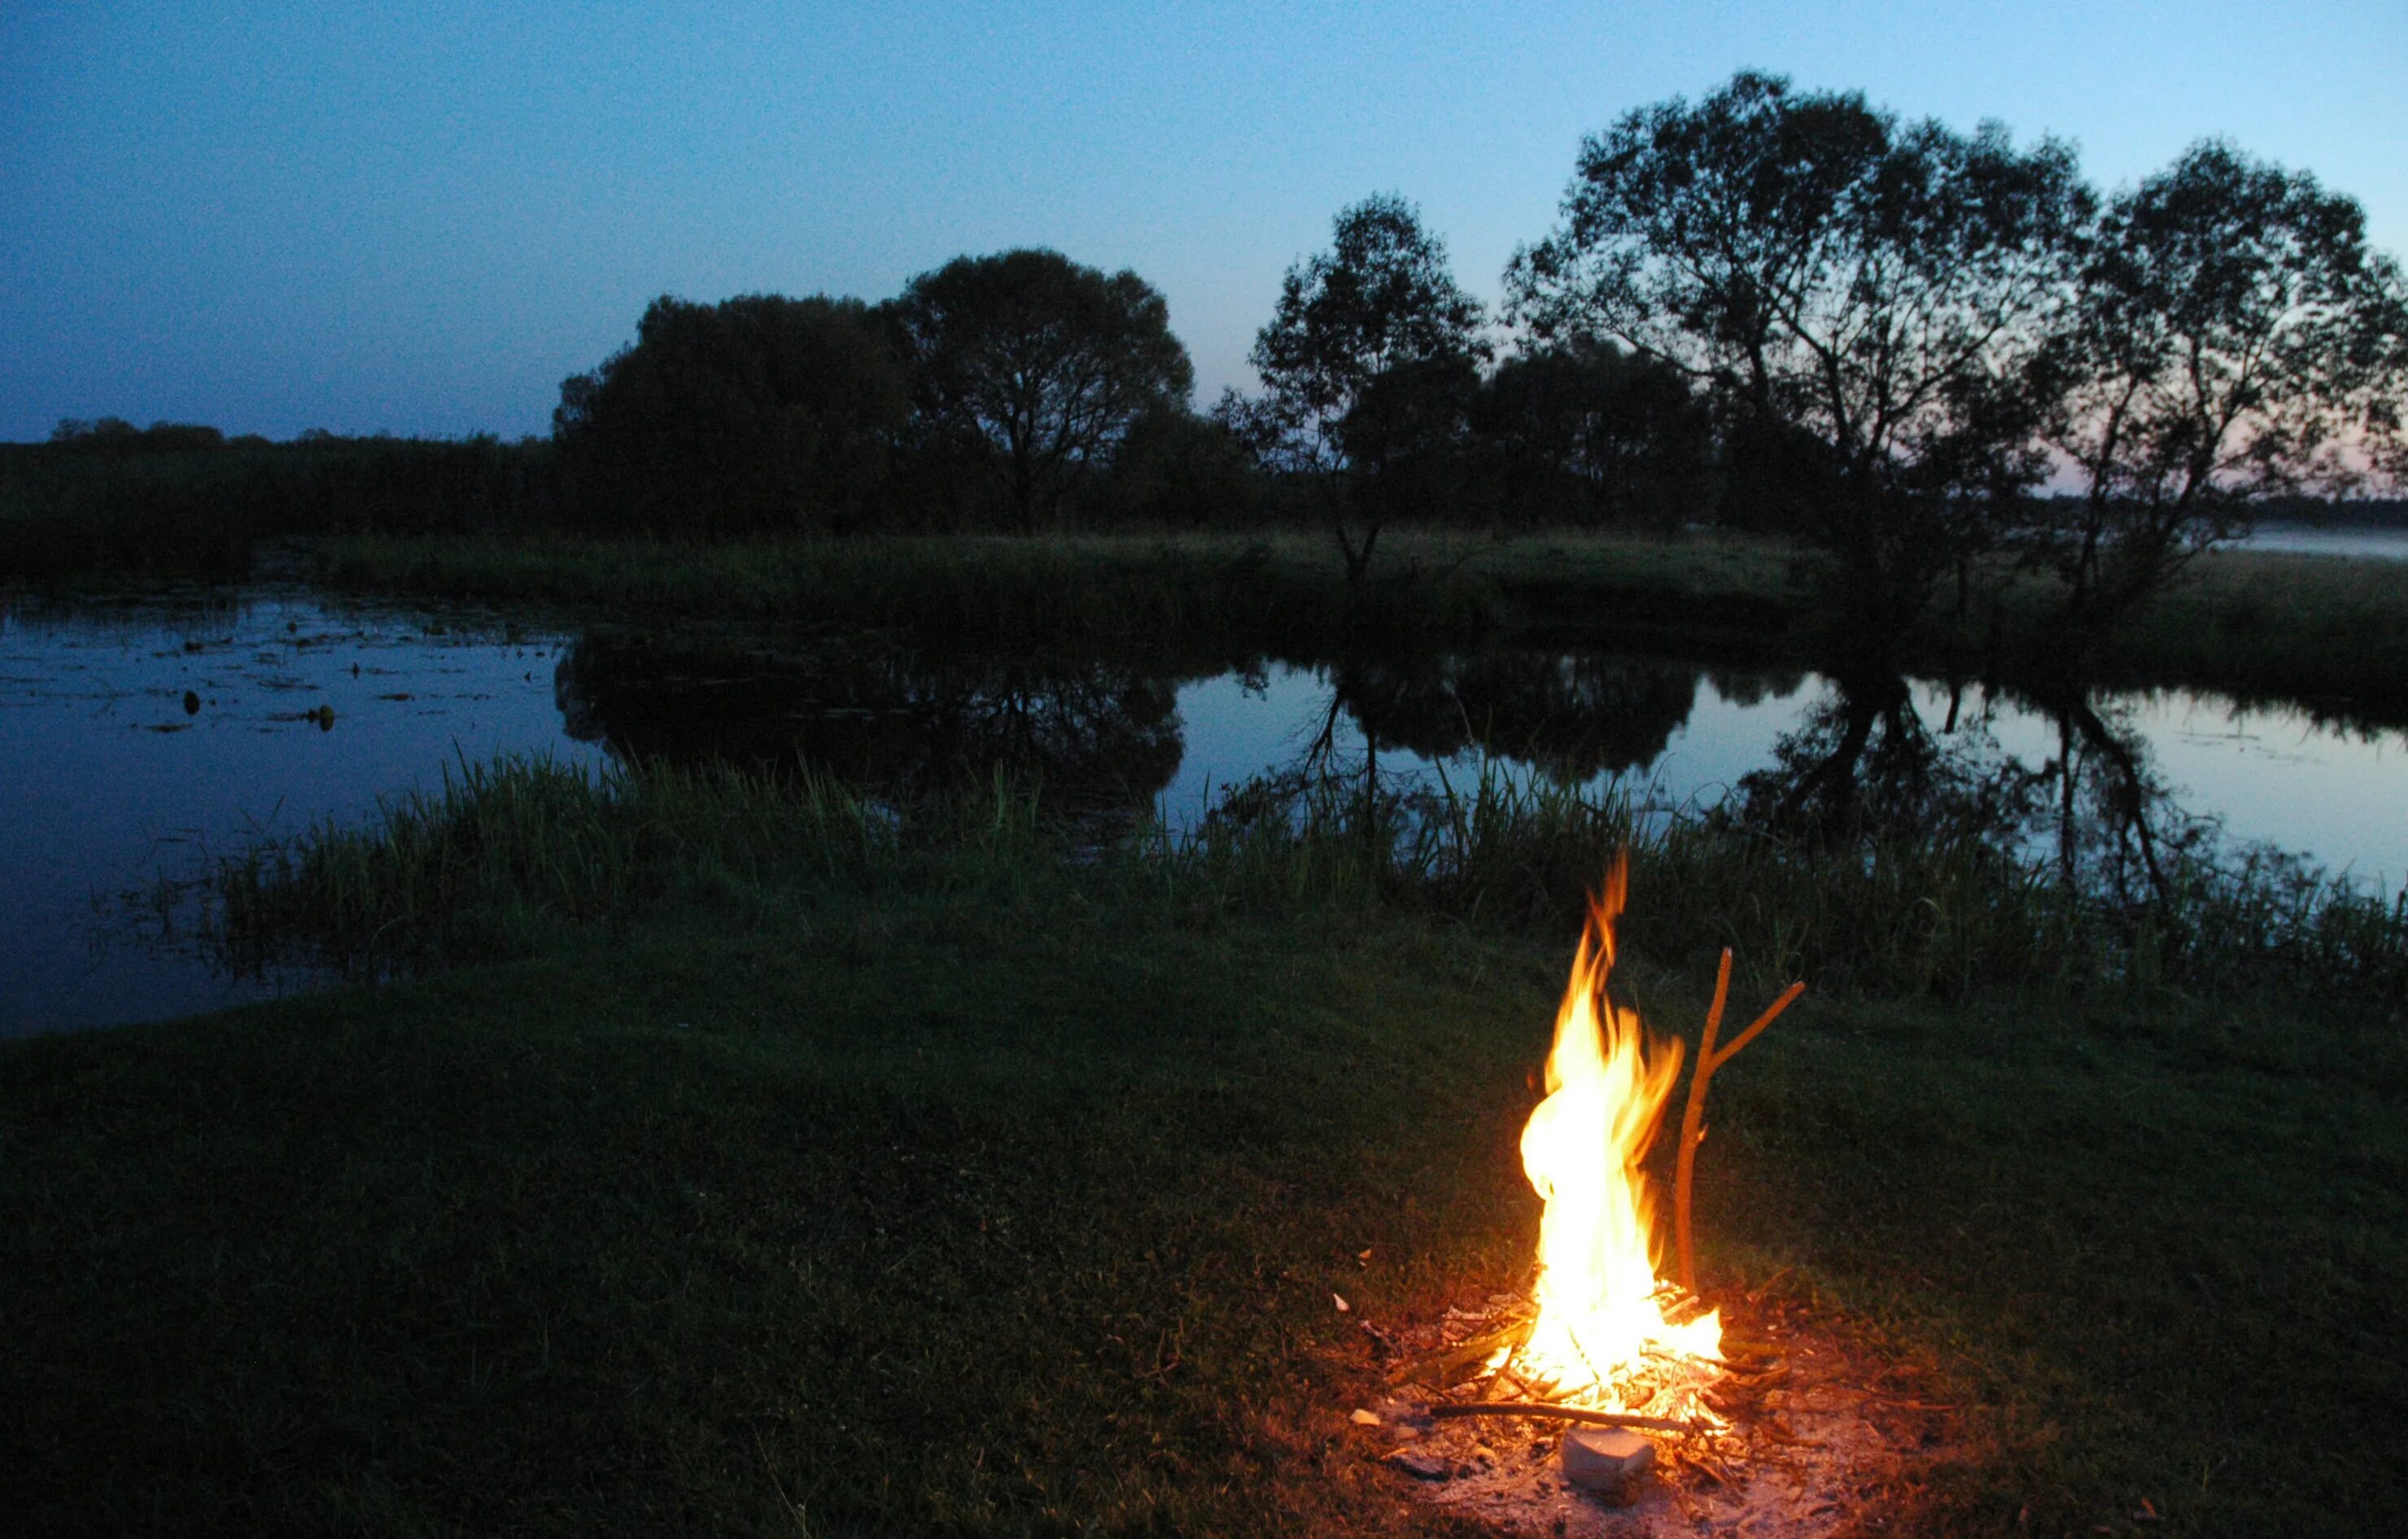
(1462, 1353)
(1564, 1412)
(1788, 998)
(1693, 1124)
(1693, 1119)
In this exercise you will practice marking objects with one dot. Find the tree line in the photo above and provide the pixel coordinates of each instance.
(1023, 391)
(1911, 348)
(1914, 348)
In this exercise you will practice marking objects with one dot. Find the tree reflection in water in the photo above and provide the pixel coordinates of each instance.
(1558, 718)
(1867, 764)
(1089, 738)
(1873, 760)
(1571, 718)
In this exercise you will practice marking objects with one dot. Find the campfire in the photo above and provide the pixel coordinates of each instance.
(1605, 1342)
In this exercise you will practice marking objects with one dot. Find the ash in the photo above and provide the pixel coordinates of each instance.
(1823, 1437)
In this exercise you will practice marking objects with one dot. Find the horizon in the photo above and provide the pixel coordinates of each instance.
(277, 218)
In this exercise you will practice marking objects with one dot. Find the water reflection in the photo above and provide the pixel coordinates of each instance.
(2066, 785)
(1571, 718)
(1088, 736)
(1868, 761)
(141, 742)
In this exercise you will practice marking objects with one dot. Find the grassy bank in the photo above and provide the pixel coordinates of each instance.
(510, 856)
(2326, 630)
(846, 1174)
(1276, 591)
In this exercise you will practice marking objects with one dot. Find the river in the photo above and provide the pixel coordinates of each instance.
(141, 742)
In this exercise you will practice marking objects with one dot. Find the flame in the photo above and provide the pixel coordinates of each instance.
(1601, 1325)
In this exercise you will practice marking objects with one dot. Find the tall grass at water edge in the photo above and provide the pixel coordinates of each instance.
(508, 855)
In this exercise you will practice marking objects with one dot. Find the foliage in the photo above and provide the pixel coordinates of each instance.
(757, 414)
(2235, 341)
(1368, 364)
(1033, 368)
(1582, 433)
(1178, 468)
(1859, 295)
(108, 500)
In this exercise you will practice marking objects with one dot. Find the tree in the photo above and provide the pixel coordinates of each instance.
(1174, 467)
(1859, 297)
(758, 413)
(1033, 368)
(1367, 364)
(1583, 432)
(2235, 339)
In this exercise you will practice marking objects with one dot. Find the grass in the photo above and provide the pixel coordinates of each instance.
(1272, 591)
(949, 1186)
(507, 856)
(2328, 630)
(179, 503)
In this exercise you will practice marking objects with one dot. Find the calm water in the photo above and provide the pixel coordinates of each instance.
(2309, 539)
(138, 743)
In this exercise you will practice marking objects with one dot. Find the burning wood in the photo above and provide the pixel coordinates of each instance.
(1607, 1343)
(1610, 1335)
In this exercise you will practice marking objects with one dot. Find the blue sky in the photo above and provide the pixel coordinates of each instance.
(419, 217)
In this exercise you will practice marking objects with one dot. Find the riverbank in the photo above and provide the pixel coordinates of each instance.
(859, 1181)
(2328, 630)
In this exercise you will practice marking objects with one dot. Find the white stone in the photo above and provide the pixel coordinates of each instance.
(1605, 1459)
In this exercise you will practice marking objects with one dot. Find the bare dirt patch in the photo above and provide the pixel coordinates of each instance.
(1826, 1434)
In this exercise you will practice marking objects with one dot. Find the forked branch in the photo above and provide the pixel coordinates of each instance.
(1693, 1121)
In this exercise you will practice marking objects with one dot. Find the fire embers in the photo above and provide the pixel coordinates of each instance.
(1809, 1431)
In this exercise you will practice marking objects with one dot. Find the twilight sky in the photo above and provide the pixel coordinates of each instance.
(419, 217)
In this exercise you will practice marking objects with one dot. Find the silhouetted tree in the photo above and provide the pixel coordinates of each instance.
(2235, 339)
(754, 414)
(1860, 295)
(1580, 432)
(1031, 368)
(1368, 364)
(1175, 467)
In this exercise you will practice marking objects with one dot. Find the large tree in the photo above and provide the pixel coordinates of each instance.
(759, 413)
(1860, 297)
(1368, 364)
(1033, 368)
(2235, 339)
(1581, 432)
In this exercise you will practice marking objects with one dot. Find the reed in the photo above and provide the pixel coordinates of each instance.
(505, 854)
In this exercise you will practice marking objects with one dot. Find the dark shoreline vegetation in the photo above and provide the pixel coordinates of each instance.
(2329, 632)
(770, 1158)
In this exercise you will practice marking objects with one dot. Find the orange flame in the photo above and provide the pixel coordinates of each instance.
(1600, 1303)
